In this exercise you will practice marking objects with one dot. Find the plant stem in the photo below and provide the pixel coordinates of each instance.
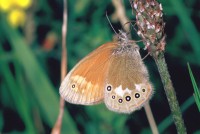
(57, 127)
(149, 20)
(170, 93)
(150, 118)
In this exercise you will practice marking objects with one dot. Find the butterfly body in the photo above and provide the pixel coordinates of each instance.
(113, 73)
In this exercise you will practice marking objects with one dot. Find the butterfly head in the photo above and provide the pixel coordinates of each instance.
(125, 45)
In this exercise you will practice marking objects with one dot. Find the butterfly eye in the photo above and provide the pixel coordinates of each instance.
(109, 88)
(120, 100)
(137, 95)
(143, 90)
(113, 97)
(128, 98)
(73, 86)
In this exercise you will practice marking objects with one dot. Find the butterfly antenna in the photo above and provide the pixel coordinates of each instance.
(110, 23)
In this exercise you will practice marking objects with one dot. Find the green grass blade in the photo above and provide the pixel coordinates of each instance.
(197, 100)
(196, 90)
(17, 98)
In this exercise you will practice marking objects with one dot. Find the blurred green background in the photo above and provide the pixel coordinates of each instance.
(30, 51)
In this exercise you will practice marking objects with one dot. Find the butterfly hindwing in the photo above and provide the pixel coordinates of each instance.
(127, 86)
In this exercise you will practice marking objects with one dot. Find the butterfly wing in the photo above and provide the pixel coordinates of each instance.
(85, 83)
(127, 86)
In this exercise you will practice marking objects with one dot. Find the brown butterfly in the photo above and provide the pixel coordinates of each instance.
(113, 73)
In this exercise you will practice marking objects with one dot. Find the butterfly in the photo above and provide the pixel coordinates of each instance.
(114, 73)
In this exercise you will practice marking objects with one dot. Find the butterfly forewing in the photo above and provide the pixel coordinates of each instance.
(85, 83)
(127, 86)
